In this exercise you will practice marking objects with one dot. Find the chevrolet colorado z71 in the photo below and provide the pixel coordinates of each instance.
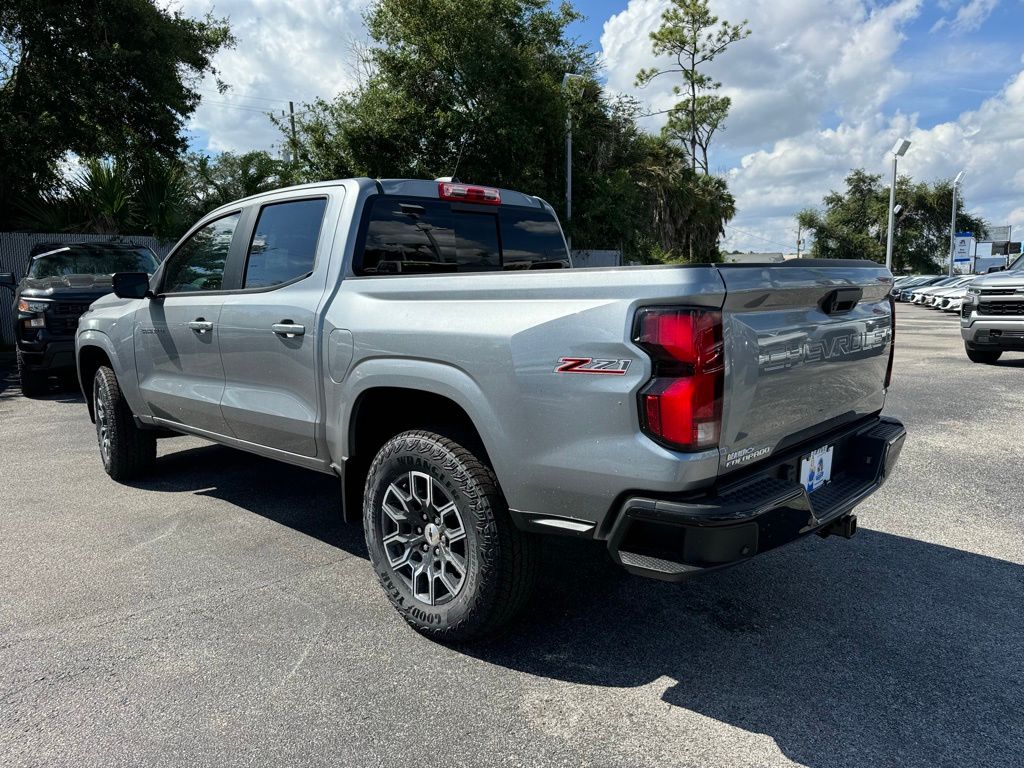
(992, 315)
(61, 282)
(429, 344)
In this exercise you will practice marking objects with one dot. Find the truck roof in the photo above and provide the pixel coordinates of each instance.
(408, 187)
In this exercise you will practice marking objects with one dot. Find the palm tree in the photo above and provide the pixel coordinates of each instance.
(101, 194)
(110, 196)
(689, 209)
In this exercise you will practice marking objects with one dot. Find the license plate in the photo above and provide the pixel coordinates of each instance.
(816, 469)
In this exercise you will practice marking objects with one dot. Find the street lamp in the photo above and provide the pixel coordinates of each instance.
(899, 149)
(952, 223)
(568, 156)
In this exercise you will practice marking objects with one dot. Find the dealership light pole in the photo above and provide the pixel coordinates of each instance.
(952, 222)
(568, 156)
(899, 149)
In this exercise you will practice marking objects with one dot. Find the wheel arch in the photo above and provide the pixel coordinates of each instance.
(91, 357)
(378, 413)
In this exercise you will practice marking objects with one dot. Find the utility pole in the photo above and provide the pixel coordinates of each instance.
(799, 233)
(569, 76)
(952, 224)
(568, 175)
(295, 141)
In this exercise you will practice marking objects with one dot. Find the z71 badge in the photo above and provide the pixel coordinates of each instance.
(591, 365)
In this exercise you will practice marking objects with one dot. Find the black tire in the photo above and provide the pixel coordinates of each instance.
(130, 451)
(500, 560)
(33, 383)
(987, 356)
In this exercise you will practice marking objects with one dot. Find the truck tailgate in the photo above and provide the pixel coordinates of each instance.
(807, 348)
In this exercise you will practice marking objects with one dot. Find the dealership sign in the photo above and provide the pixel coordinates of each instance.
(963, 250)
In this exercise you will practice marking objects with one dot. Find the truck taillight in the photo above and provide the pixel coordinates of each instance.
(892, 341)
(467, 193)
(681, 406)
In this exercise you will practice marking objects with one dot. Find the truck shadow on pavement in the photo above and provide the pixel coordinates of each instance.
(58, 389)
(883, 650)
(306, 501)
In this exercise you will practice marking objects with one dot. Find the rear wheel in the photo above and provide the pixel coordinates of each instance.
(976, 355)
(441, 540)
(33, 383)
(126, 450)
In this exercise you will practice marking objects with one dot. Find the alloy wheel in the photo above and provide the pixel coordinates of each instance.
(103, 428)
(424, 537)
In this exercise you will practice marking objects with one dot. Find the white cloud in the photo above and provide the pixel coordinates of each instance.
(864, 74)
(810, 89)
(772, 184)
(804, 58)
(971, 16)
(285, 51)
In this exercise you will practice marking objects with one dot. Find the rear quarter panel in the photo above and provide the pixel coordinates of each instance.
(562, 444)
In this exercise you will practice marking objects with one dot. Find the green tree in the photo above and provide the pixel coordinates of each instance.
(114, 197)
(689, 209)
(220, 179)
(692, 37)
(454, 87)
(475, 90)
(103, 78)
(852, 224)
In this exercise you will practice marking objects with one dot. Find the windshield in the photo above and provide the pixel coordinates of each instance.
(92, 260)
(1018, 265)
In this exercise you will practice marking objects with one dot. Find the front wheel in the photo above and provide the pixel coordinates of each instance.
(127, 451)
(441, 540)
(976, 355)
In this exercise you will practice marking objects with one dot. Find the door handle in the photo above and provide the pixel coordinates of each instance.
(288, 330)
(201, 326)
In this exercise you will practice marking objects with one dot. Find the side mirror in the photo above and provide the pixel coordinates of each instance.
(7, 279)
(995, 269)
(131, 285)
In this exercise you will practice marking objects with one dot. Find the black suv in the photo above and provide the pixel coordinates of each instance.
(62, 281)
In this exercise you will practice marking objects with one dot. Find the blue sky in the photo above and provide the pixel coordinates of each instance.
(820, 87)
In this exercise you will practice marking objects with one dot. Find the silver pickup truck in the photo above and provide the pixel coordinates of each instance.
(992, 315)
(430, 345)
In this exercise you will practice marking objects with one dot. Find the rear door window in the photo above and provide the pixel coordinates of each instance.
(283, 246)
(531, 239)
(417, 235)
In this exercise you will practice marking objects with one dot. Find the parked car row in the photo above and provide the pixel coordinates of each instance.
(945, 293)
(990, 307)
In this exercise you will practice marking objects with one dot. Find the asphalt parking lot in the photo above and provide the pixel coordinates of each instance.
(220, 614)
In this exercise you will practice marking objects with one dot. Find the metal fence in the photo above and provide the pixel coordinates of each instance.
(596, 258)
(14, 250)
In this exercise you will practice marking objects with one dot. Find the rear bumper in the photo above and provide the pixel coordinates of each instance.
(675, 538)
